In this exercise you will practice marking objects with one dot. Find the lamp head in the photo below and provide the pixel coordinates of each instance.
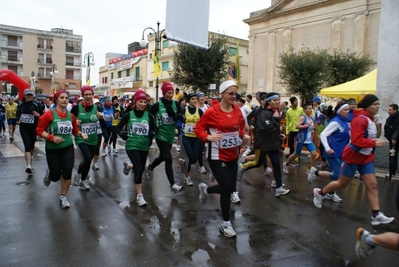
(84, 65)
(92, 63)
(143, 43)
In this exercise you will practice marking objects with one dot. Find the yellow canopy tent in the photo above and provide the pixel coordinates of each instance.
(357, 88)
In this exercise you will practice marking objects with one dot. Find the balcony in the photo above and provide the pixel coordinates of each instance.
(73, 49)
(72, 64)
(11, 44)
(44, 61)
(42, 75)
(10, 59)
(44, 47)
(73, 77)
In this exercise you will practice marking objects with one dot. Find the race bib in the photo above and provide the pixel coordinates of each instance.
(166, 119)
(27, 118)
(89, 128)
(189, 128)
(108, 117)
(140, 128)
(229, 140)
(64, 127)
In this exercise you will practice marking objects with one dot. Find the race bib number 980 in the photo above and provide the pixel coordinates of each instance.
(140, 128)
(27, 118)
(89, 128)
(64, 127)
(229, 140)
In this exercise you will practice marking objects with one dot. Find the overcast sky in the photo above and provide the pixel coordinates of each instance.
(109, 26)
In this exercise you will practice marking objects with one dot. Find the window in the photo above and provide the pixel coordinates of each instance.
(112, 75)
(137, 74)
(232, 51)
(106, 80)
(165, 44)
(151, 84)
(165, 65)
(127, 72)
(119, 74)
(69, 74)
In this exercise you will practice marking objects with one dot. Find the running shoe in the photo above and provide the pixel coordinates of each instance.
(312, 175)
(115, 152)
(29, 169)
(235, 198)
(64, 203)
(387, 175)
(187, 181)
(150, 172)
(381, 219)
(268, 171)
(281, 191)
(242, 155)
(46, 179)
(212, 178)
(177, 148)
(334, 197)
(182, 163)
(202, 192)
(95, 167)
(176, 188)
(84, 185)
(317, 198)
(227, 229)
(202, 169)
(76, 179)
(126, 169)
(103, 154)
(274, 184)
(363, 250)
(140, 200)
(285, 168)
(11, 139)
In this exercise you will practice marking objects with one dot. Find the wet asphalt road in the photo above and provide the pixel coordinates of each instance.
(105, 227)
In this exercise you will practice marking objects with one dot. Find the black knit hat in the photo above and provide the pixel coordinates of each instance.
(367, 101)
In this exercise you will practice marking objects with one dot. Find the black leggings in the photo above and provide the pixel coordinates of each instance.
(226, 176)
(164, 155)
(274, 157)
(189, 146)
(106, 134)
(291, 141)
(138, 159)
(87, 153)
(113, 137)
(201, 146)
(60, 162)
(28, 137)
(97, 152)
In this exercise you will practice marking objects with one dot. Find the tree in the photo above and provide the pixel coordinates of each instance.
(303, 73)
(197, 68)
(347, 66)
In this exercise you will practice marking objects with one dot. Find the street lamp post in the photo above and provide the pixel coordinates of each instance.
(143, 43)
(53, 72)
(89, 56)
(32, 81)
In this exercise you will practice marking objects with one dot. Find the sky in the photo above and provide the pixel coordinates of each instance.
(109, 26)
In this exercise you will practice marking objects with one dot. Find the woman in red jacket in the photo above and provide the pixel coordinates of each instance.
(358, 156)
(222, 126)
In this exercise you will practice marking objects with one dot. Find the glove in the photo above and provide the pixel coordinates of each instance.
(124, 136)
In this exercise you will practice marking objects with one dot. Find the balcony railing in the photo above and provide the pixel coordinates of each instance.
(45, 61)
(72, 49)
(42, 75)
(71, 63)
(138, 78)
(50, 47)
(12, 58)
(73, 77)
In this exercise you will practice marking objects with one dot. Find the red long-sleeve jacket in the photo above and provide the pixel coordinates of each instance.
(47, 117)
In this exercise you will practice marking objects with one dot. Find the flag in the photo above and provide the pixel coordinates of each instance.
(157, 68)
(237, 67)
(88, 82)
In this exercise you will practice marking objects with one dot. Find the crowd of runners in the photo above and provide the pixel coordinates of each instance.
(219, 131)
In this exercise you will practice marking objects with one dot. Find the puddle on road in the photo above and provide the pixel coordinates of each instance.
(24, 183)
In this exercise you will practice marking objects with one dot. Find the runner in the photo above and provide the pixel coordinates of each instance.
(188, 139)
(28, 113)
(201, 145)
(56, 126)
(140, 130)
(87, 116)
(222, 126)
(100, 127)
(357, 156)
(11, 114)
(166, 113)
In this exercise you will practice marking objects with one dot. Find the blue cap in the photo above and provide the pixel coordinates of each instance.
(317, 99)
(200, 94)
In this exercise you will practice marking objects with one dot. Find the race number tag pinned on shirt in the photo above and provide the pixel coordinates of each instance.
(27, 118)
(229, 140)
(89, 128)
(189, 128)
(108, 117)
(140, 128)
(64, 127)
(166, 119)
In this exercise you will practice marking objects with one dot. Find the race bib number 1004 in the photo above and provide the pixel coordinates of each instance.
(89, 128)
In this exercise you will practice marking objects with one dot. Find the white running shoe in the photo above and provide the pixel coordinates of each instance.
(103, 154)
(242, 155)
(363, 250)
(268, 171)
(177, 148)
(115, 152)
(176, 188)
(84, 185)
(187, 181)
(312, 175)
(64, 203)
(227, 229)
(285, 168)
(235, 198)
(76, 179)
(140, 200)
(381, 219)
(202, 192)
(274, 184)
(29, 169)
(95, 167)
(126, 169)
(281, 191)
(317, 198)
(202, 169)
(182, 163)
(46, 179)
(334, 197)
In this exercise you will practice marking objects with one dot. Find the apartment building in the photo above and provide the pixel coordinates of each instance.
(129, 72)
(50, 59)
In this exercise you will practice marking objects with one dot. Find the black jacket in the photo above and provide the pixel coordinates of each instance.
(270, 139)
(391, 125)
